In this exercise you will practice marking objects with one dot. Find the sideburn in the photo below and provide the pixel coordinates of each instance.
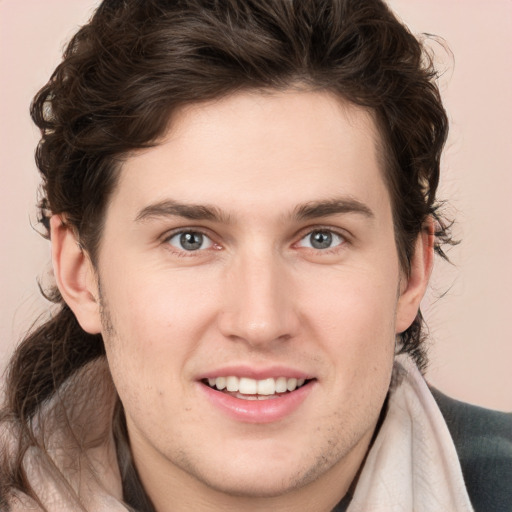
(106, 318)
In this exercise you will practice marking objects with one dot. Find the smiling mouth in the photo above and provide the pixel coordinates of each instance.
(252, 389)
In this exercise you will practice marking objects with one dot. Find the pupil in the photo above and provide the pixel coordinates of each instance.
(191, 241)
(321, 239)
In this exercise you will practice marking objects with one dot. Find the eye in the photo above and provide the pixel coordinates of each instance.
(190, 241)
(321, 239)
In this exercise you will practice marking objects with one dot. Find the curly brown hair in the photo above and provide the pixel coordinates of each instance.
(125, 73)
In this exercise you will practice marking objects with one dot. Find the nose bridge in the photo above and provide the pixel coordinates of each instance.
(258, 304)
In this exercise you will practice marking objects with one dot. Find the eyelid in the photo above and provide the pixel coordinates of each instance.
(343, 233)
(323, 255)
(189, 229)
(185, 229)
(336, 239)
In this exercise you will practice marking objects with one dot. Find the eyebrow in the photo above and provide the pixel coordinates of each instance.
(171, 208)
(315, 209)
(306, 211)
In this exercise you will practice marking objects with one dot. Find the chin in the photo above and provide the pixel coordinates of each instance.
(255, 486)
(262, 479)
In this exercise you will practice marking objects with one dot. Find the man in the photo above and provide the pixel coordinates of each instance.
(241, 202)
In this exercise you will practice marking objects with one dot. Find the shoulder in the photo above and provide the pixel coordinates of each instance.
(483, 440)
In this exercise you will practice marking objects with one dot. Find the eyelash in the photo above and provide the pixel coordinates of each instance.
(182, 252)
(323, 229)
(304, 234)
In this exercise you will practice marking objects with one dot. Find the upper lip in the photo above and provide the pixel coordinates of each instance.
(256, 373)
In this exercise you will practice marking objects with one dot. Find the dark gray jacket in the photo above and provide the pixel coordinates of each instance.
(483, 440)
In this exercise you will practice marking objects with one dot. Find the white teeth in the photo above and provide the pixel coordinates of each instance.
(267, 387)
(220, 383)
(291, 384)
(232, 383)
(281, 385)
(250, 387)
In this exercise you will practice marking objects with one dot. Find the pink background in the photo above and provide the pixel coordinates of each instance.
(470, 328)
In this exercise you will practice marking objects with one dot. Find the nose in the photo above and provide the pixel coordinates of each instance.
(258, 301)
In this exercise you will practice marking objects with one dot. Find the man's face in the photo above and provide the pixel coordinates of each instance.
(253, 246)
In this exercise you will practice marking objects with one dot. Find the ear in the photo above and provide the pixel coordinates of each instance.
(75, 276)
(413, 286)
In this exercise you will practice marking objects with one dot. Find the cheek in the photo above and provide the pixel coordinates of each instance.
(354, 305)
(149, 302)
(156, 328)
(354, 319)
(159, 320)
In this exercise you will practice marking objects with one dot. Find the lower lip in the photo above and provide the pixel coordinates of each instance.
(258, 411)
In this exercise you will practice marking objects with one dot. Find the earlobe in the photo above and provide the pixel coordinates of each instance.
(414, 286)
(75, 276)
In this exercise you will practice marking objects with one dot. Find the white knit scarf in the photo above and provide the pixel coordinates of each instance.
(412, 465)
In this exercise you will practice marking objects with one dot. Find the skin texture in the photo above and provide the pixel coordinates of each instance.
(256, 294)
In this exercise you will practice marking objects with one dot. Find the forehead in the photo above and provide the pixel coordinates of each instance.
(259, 151)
